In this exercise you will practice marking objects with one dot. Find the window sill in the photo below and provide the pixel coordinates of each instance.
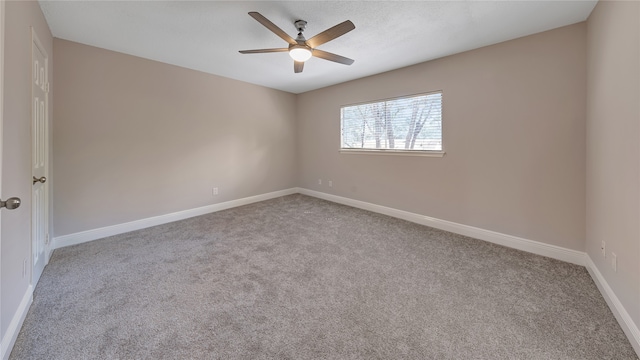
(392, 152)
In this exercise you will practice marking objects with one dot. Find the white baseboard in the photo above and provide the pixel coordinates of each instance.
(552, 251)
(13, 330)
(621, 314)
(535, 247)
(89, 235)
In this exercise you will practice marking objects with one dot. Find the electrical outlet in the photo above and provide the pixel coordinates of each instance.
(603, 248)
(330, 183)
(614, 262)
(319, 181)
(215, 191)
(46, 239)
(24, 268)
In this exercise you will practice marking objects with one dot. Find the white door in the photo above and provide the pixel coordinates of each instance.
(39, 111)
(1, 119)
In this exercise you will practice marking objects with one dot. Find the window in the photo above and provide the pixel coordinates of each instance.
(407, 125)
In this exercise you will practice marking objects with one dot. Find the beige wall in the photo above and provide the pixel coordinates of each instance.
(514, 136)
(20, 16)
(613, 150)
(136, 138)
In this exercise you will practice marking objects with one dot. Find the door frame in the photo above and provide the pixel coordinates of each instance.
(35, 40)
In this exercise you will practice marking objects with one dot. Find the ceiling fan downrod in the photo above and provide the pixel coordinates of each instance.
(300, 25)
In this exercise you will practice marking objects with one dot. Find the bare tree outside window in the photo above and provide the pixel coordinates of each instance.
(408, 124)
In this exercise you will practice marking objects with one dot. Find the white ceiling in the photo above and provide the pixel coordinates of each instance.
(206, 35)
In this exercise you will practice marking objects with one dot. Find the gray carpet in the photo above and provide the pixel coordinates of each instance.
(301, 278)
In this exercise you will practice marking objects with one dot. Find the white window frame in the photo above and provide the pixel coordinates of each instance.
(401, 152)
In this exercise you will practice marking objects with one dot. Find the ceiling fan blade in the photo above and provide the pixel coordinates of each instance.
(331, 34)
(260, 51)
(332, 57)
(297, 66)
(273, 27)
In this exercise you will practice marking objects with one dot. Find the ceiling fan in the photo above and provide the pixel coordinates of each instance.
(301, 49)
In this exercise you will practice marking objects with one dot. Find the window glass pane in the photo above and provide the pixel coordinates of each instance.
(408, 124)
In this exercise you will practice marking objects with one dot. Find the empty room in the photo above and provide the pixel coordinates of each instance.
(320, 179)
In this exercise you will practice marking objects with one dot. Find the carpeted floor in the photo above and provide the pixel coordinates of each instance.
(301, 278)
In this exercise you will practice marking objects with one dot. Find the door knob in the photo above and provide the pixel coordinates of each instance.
(42, 179)
(11, 203)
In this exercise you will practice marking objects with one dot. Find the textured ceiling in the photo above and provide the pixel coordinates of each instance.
(206, 35)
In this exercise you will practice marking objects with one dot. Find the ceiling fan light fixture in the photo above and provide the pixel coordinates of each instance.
(300, 53)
